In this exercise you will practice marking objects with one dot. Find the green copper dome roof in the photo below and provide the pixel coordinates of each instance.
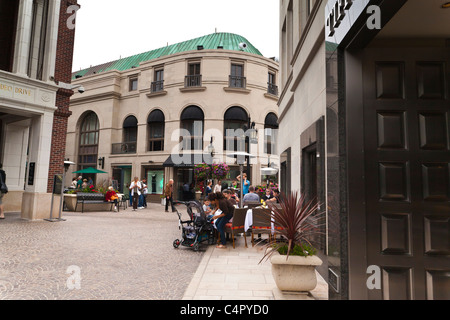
(226, 41)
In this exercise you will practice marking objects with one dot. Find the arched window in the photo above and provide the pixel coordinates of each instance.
(89, 135)
(192, 120)
(156, 125)
(270, 133)
(130, 128)
(235, 121)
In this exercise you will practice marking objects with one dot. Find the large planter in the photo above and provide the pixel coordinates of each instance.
(71, 204)
(198, 195)
(295, 274)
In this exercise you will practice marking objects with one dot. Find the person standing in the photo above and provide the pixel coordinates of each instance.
(143, 196)
(245, 183)
(208, 189)
(168, 193)
(3, 181)
(135, 188)
(218, 187)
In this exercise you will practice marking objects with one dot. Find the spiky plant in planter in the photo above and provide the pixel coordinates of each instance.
(293, 258)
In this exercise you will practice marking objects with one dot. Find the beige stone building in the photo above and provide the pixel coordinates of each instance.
(36, 47)
(139, 114)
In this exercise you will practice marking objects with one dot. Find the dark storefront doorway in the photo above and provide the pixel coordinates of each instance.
(407, 165)
(388, 167)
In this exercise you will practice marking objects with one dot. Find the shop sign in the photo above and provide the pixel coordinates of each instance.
(337, 14)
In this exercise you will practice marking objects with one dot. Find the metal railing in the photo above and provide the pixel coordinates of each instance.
(272, 89)
(238, 82)
(157, 86)
(193, 81)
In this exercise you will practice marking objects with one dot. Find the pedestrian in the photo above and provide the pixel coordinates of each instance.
(208, 188)
(135, 188)
(168, 193)
(84, 185)
(111, 196)
(3, 191)
(225, 210)
(218, 187)
(245, 183)
(143, 196)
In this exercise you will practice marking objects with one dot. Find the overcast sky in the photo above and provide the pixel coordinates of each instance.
(109, 29)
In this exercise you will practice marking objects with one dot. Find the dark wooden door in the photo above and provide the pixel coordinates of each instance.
(407, 170)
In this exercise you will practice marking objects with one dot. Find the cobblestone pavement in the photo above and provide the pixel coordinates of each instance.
(120, 256)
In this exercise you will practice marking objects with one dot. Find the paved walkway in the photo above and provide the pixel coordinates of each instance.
(237, 274)
(125, 256)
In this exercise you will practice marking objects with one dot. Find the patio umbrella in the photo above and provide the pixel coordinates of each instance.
(89, 170)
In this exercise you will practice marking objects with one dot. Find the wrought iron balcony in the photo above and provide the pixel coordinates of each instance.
(193, 81)
(272, 89)
(124, 148)
(157, 86)
(238, 82)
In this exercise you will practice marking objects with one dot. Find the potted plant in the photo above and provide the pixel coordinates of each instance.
(294, 259)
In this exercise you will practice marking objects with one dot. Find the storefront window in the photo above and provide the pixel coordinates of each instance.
(155, 181)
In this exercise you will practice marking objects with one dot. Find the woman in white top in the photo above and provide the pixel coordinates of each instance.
(135, 188)
(218, 187)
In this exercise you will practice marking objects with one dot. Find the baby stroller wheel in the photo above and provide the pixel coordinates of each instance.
(176, 244)
(196, 246)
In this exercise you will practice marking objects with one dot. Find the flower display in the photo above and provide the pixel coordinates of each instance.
(202, 172)
(220, 171)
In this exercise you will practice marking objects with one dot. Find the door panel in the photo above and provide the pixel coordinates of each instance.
(407, 170)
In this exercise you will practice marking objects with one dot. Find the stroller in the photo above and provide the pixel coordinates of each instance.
(197, 229)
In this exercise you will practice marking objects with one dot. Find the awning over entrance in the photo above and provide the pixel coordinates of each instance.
(186, 160)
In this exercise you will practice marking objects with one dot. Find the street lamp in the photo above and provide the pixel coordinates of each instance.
(251, 137)
(212, 152)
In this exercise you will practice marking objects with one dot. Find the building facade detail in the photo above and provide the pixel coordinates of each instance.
(173, 103)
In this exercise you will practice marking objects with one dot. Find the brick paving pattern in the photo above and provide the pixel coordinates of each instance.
(122, 256)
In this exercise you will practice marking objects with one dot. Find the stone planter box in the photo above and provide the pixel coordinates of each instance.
(295, 274)
(71, 202)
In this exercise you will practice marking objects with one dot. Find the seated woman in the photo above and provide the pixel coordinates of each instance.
(227, 209)
(111, 196)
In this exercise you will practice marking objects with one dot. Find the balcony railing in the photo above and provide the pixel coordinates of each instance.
(193, 81)
(272, 89)
(157, 86)
(124, 148)
(238, 82)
